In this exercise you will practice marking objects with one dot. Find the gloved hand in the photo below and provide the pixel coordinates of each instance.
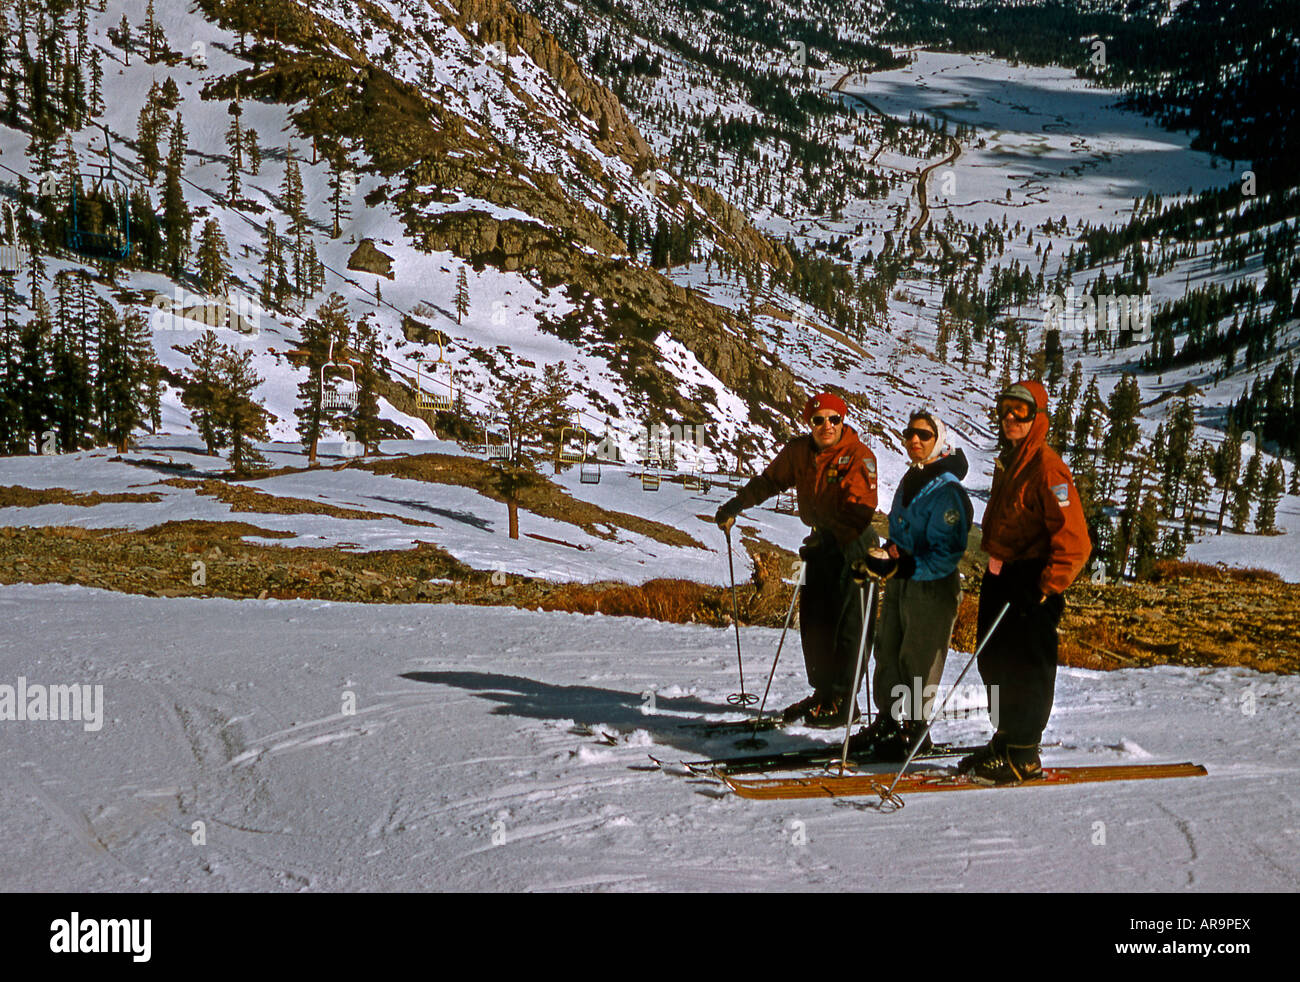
(727, 512)
(857, 550)
(1028, 598)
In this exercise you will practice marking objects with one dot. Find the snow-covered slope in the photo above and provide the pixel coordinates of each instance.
(337, 747)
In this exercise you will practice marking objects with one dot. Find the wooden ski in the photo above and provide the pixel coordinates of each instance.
(831, 786)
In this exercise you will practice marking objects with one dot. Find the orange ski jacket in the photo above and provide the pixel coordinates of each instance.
(1034, 510)
(835, 487)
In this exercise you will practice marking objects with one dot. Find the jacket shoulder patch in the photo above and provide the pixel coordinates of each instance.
(1062, 494)
(951, 516)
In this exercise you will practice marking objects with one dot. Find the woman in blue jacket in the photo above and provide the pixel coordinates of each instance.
(928, 526)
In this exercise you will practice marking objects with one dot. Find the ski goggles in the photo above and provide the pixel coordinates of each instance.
(1015, 410)
(820, 420)
(925, 436)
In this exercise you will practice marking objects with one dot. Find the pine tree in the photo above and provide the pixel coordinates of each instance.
(121, 376)
(462, 294)
(235, 146)
(367, 427)
(1270, 496)
(149, 125)
(176, 213)
(340, 185)
(96, 84)
(213, 259)
(124, 39)
(200, 390)
(1246, 493)
(1226, 470)
(239, 415)
(1122, 430)
(253, 151)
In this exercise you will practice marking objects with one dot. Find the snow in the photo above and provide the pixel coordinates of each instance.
(457, 767)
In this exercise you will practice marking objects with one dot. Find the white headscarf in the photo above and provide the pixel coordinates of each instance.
(940, 438)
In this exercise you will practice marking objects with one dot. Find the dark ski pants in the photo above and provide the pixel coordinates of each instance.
(1020, 658)
(916, 622)
(830, 618)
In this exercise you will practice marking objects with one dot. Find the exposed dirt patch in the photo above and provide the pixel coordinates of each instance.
(243, 499)
(14, 496)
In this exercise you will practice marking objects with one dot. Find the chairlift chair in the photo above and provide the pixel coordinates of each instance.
(573, 444)
(651, 474)
(496, 440)
(99, 214)
(11, 248)
(589, 471)
(338, 384)
(432, 396)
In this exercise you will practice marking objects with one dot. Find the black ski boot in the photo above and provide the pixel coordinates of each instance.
(797, 711)
(1014, 765)
(993, 749)
(882, 740)
(830, 712)
(911, 732)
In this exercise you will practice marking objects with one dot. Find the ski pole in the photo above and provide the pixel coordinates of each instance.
(870, 604)
(789, 615)
(741, 698)
(889, 795)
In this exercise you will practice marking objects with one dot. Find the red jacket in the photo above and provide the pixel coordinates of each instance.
(836, 487)
(1034, 510)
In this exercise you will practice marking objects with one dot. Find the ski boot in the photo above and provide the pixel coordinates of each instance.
(1014, 765)
(797, 711)
(993, 749)
(882, 740)
(830, 712)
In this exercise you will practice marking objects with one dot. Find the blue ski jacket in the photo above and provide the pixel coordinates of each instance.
(935, 524)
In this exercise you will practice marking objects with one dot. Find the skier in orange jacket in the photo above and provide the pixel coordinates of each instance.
(834, 477)
(1037, 540)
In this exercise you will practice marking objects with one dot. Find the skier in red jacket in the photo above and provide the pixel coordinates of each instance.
(1037, 541)
(834, 475)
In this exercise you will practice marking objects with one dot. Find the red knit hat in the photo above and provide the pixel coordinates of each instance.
(826, 402)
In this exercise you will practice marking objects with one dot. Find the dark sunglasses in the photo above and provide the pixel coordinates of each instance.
(923, 435)
(819, 420)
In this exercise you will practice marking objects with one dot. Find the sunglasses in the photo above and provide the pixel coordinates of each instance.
(820, 420)
(923, 435)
